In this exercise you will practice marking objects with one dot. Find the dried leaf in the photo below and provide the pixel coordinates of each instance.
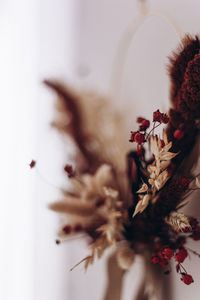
(161, 180)
(178, 221)
(142, 204)
(143, 189)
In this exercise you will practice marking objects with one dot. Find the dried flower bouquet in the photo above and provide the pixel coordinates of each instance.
(123, 198)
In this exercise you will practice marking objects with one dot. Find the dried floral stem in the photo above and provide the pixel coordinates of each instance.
(80, 262)
(194, 252)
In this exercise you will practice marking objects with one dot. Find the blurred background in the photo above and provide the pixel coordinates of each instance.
(75, 41)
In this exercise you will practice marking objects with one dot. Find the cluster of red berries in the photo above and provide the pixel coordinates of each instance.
(141, 136)
(68, 229)
(164, 253)
(160, 117)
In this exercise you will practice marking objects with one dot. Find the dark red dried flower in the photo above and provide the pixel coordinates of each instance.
(189, 100)
(155, 260)
(67, 229)
(140, 119)
(132, 137)
(69, 170)
(168, 253)
(139, 138)
(178, 134)
(157, 116)
(32, 164)
(187, 279)
(181, 255)
(164, 119)
(146, 123)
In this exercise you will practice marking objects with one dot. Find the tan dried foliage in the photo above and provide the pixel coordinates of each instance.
(178, 221)
(158, 174)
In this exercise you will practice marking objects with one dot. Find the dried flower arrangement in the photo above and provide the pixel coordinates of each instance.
(121, 198)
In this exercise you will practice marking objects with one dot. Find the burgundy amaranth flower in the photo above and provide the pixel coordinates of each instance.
(187, 279)
(181, 255)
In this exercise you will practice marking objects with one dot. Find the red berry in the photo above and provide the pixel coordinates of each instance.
(139, 138)
(187, 279)
(140, 119)
(146, 123)
(157, 116)
(155, 260)
(168, 253)
(178, 134)
(132, 137)
(160, 254)
(164, 119)
(163, 262)
(181, 255)
(32, 164)
(67, 229)
(78, 227)
(69, 170)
